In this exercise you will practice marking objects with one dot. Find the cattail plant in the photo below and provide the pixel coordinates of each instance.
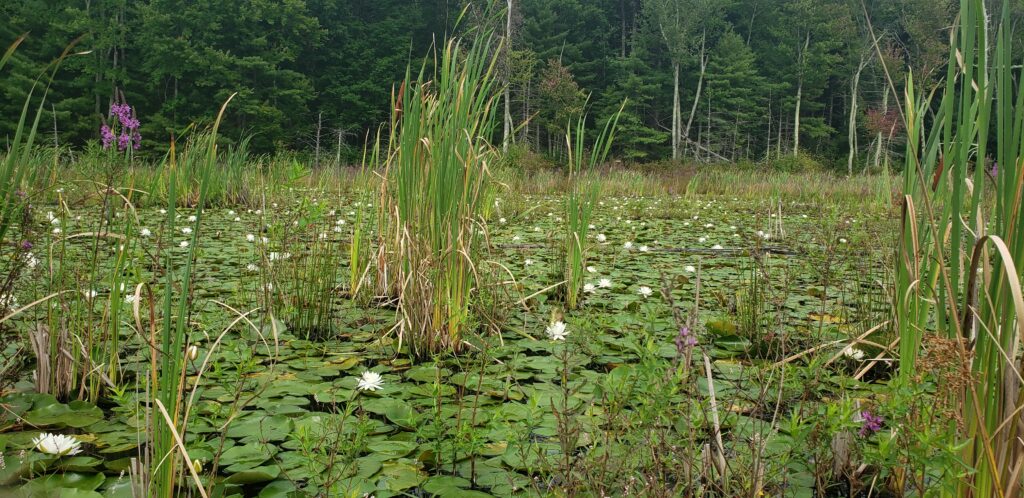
(957, 273)
(584, 190)
(436, 170)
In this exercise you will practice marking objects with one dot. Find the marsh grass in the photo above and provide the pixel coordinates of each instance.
(956, 265)
(436, 170)
(581, 199)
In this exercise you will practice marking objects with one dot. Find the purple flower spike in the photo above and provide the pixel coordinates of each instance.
(872, 423)
(107, 135)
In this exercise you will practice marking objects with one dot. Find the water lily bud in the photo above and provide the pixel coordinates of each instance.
(197, 465)
(193, 352)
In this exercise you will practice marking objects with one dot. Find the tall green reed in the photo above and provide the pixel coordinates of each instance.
(962, 234)
(168, 348)
(582, 198)
(436, 170)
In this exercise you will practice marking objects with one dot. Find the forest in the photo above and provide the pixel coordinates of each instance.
(730, 79)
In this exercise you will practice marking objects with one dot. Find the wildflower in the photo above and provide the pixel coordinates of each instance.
(26, 245)
(685, 340)
(145, 232)
(183, 244)
(556, 331)
(129, 298)
(501, 220)
(601, 237)
(589, 288)
(604, 283)
(842, 241)
(370, 381)
(645, 291)
(871, 423)
(107, 136)
(57, 444)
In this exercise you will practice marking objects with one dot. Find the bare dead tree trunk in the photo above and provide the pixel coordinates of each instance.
(799, 93)
(700, 84)
(852, 132)
(675, 110)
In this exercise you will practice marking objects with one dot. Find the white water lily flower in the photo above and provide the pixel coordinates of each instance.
(842, 241)
(591, 269)
(252, 267)
(854, 353)
(370, 381)
(645, 291)
(644, 249)
(528, 262)
(183, 244)
(501, 220)
(716, 247)
(238, 218)
(601, 237)
(56, 231)
(628, 245)
(186, 230)
(145, 232)
(57, 444)
(556, 331)
(604, 283)
(250, 237)
(589, 288)
(689, 269)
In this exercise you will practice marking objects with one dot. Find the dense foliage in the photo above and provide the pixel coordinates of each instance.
(780, 75)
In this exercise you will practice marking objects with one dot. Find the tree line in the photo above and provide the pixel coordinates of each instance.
(714, 80)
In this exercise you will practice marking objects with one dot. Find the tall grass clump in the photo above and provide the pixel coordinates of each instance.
(962, 239)
(165, 450)
(436, 170)
(584, 190)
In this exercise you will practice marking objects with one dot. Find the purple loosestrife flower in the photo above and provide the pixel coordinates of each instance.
(107, 135)
(685, 340)
(871, 423)
(123, 141)
(127, 128)
(26, 245)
